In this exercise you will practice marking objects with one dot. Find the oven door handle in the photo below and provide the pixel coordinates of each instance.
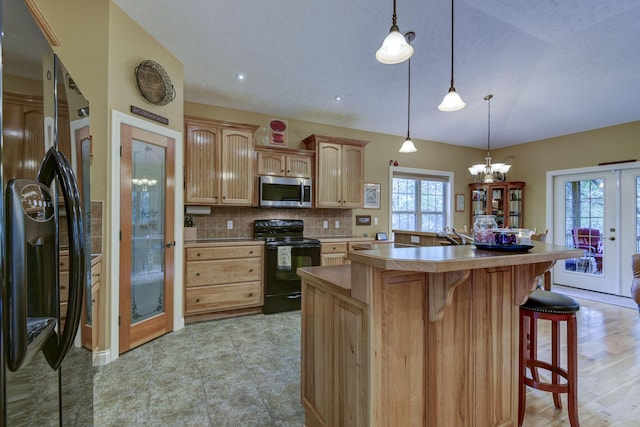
(297, 295)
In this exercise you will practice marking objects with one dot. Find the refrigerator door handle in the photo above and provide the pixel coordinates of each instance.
(56, 164)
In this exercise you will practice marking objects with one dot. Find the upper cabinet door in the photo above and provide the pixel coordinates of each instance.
(352, 176)
(201, 164)
(271, 163)
(299, 166)
(328, 185)
(237, 167)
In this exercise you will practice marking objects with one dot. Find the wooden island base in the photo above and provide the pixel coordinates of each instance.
(427, 342)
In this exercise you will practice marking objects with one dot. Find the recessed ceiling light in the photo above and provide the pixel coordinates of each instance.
(241, 76)
(338, 98)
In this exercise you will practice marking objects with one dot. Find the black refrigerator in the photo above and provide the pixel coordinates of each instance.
(46, 379)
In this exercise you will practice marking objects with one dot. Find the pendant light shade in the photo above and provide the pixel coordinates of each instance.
(488, 172)
(452, 100)
(395, 48)
(408, 146)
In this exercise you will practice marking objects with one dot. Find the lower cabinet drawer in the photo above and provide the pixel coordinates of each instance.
(200, 273)
(222, 297)
(332, 248)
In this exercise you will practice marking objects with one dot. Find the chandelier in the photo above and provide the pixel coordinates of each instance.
(489, 172)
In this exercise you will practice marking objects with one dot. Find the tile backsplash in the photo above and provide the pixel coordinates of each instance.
(214, 225)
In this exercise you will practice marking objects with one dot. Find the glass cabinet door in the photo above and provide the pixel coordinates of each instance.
(515, 207)
(478, 202)
(498, 203)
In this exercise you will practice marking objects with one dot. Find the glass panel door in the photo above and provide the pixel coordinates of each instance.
(146, 246)
(630, 214)
(585, 218)
(147, 240)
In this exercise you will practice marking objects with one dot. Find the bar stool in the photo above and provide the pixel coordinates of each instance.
(556, 308)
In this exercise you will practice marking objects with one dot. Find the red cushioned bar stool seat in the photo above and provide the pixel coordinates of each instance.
(557, 308)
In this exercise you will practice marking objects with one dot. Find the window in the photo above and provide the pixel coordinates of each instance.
(420, 199)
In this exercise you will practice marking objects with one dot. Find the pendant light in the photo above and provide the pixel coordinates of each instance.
(407, 145)
(395, 48)
(451, 101)
(488, 172)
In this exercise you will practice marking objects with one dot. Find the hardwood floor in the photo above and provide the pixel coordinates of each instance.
(608, 370)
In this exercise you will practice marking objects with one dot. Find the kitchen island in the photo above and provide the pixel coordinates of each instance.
(424, 336)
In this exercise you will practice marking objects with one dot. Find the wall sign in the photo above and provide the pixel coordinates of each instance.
(363, 219)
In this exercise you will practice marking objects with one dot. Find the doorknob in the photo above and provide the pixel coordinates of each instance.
(171, 244)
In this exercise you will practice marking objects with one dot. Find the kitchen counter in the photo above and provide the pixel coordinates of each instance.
(424, 336)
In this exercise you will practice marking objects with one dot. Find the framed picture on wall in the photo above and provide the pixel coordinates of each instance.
(372, 196)
(459, 202)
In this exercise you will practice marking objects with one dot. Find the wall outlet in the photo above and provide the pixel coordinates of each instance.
(230, 225)
(375, 221)
(337, 224)
(325, 224)
(415, 239)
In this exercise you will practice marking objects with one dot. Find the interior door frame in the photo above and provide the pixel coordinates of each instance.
(113, 263)
(550, 198)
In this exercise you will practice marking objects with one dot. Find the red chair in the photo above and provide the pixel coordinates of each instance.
(589, 240)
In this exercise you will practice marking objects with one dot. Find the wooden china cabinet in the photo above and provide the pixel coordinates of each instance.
(505, 200)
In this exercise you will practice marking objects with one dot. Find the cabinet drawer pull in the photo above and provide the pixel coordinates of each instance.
(251, 270)
(197, 274)
(197, 299)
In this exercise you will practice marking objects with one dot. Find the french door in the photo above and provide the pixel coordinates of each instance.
(597, 212)
(147, 242)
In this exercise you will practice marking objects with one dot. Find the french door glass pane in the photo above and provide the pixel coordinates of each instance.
(147, 242)
(584, 224)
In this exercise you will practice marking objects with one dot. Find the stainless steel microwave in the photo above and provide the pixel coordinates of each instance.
(281, 192)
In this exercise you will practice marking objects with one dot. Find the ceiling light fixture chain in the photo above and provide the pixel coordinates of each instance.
(395, 48)
(452, 100)
(489, 172)
(408, 146)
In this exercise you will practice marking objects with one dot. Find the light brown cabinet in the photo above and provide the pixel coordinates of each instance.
(335, 358)
(220, 278)
(505, 200)
(339, 177)
(218, 162)
(281, 162)
(333, 253)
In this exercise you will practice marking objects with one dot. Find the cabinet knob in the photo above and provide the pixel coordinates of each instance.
(251, 270)
(250, 252)
(197, 274)
(197, 299)
(198, 254)
(250, 294)
(282, 170)
(93, 301)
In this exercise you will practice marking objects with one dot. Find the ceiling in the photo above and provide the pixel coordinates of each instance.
(554, 67)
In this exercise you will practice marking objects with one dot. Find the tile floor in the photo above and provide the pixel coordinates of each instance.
(233, 372)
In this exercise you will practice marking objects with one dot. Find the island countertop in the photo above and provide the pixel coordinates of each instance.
(440, 259)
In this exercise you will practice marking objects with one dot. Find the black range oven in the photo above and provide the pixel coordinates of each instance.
(285, 251)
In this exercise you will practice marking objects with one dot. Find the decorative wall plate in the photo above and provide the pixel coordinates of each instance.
(154, 83)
